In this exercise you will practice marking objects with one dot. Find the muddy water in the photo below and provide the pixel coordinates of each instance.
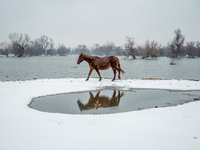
(112, 101)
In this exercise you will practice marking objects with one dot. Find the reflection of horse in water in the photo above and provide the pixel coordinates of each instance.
(101, 101)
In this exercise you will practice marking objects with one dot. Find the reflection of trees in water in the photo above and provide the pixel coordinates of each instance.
(101, 101)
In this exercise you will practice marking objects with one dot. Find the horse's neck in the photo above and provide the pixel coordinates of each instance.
(89, 58)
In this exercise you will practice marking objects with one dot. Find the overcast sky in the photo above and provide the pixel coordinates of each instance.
(74, 22)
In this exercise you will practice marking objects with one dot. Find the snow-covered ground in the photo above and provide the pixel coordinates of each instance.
(24, 128)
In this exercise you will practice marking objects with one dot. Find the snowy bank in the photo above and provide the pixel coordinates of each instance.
(161, 128)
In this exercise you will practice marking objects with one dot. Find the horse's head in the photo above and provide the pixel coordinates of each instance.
(81, 58)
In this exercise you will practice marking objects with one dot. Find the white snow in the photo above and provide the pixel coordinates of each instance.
(166, 128)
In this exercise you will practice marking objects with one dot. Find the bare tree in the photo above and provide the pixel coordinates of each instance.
(191, 50)
(198, 48)
(62, 50)
(141, 51)
(81, 49)
(99, 50)
(164, 50)
(129, 47)
(46, 44)
(19, 43)
(34, 48)
(109, 48)
(51, 50)
(176, 45)
(4, 49)
(150, 49)
(118, 50)
(95, 49)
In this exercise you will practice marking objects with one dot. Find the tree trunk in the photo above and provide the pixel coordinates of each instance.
(133, 56)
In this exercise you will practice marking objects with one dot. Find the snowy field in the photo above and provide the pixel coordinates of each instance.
(166, 128)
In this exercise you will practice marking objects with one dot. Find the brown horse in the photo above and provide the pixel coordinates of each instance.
(98, 63)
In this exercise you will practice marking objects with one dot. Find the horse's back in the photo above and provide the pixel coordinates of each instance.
(114, 60)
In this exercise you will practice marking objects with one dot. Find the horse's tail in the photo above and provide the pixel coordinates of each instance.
(121, 69)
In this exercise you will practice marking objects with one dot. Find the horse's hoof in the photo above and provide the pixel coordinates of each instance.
(86, 80)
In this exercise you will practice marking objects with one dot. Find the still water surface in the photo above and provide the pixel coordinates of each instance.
(111, 101)
(63, 67)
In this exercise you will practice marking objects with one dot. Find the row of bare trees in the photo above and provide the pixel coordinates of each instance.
(107, 49)
(149, 49)
(175, 48)
(21, 45)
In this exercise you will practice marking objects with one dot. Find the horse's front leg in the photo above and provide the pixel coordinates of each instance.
(89, 74)
(97, 70)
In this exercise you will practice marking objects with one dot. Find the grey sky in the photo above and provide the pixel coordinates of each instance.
(74, 22)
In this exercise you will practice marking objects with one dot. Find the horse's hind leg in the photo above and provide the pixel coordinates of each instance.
(119, 69)
(115, 68)
(114, 71)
